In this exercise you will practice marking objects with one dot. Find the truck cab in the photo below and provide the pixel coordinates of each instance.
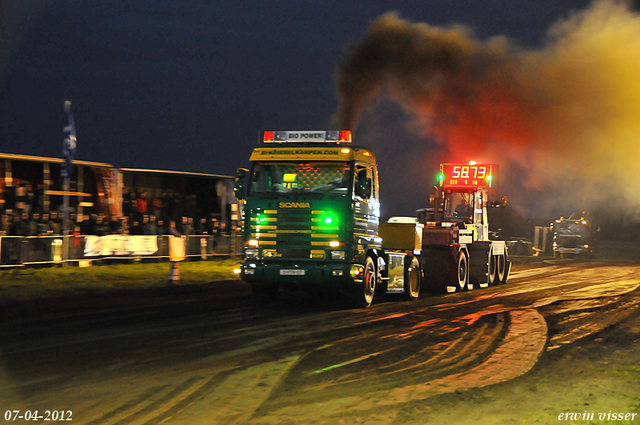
(311, 214)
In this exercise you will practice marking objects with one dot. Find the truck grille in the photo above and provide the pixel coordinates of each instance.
(294, 233)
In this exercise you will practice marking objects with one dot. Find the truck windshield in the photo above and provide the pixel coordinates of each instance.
(458, 207)
(327, 178)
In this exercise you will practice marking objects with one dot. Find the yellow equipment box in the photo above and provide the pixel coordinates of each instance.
(401, 235)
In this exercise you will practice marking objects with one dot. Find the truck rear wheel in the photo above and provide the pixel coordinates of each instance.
(364, 296)
(501, 268)
(492, 273)
(412, 279)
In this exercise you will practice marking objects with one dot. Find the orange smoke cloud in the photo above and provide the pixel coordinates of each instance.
(568, 112)
(468, 90)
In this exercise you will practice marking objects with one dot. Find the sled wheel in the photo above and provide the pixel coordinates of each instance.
(412, 279)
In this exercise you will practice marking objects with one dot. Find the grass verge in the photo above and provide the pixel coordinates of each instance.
(27, 284)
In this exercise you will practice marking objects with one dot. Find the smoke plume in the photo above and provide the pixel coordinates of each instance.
(563, 120)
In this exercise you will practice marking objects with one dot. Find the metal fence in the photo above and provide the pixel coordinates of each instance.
(18, 251)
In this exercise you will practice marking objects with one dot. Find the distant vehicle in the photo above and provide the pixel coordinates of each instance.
(574, 236)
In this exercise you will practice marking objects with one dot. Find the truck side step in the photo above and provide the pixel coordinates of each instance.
(451, 289)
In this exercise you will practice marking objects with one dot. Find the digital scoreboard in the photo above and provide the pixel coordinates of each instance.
(466, 176)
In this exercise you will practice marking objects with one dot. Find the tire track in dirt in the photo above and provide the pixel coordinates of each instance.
(514, 356)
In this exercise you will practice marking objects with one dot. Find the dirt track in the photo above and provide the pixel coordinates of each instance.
(557, 339)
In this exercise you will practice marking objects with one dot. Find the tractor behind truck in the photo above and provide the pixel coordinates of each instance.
(457, 251)
(311, 220)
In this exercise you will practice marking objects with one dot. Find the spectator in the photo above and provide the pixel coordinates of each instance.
(135, 228)
(124, 222)
(141, 205)
(21, 196)
(144, 225)
(115, 226)
(214, 227)
(134, 206)
(153, 225)
(55, 223)
(126, 202)
(175, 209)
(165, 197)
(32, 224)
(9, 196)
(100, 228)
(5, 224)
(192, 205)
(72, 223)
(31, 196)
(201, 227)
(75, 232)
(14, 227)
(20, 226)
(43, 225)
(38, 199)
(86, 226)
(182, 226)
(156, 207)
(172, 229)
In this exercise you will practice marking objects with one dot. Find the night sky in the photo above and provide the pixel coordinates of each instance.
(191, 85)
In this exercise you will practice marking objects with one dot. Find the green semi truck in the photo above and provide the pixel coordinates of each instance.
(311, 219)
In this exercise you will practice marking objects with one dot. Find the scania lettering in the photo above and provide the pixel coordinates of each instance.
(294, 205)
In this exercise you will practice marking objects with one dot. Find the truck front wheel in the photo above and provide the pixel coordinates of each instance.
(364, 296)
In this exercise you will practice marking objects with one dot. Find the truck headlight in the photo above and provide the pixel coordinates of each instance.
(337, 255)
(251, 253)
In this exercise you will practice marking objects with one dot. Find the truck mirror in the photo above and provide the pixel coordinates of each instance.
(363, 187)
(432, 199)
(239, 187)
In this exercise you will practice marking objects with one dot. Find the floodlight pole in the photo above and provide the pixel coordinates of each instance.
(68, 149)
